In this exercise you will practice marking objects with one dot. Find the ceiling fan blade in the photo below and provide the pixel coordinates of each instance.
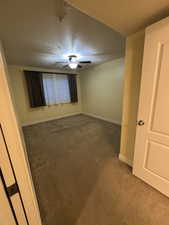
(99, 54)
(65, 66)
(79, 66)
(60, 62)
(85, 62)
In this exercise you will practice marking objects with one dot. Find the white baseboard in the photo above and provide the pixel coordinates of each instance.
(102, 118)
(125, 160)
(72, 114)
(54, 118)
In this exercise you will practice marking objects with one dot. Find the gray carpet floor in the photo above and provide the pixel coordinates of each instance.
(80, 181)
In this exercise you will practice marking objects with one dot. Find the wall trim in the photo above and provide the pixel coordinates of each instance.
(125, 160)
(72, 114)
(50, 119)
(102, 118)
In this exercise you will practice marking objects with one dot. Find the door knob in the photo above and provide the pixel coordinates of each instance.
(140, 122)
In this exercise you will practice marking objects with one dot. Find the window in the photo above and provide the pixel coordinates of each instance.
(50, 88)
(56, 88)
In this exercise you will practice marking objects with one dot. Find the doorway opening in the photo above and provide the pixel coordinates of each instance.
(67, 85)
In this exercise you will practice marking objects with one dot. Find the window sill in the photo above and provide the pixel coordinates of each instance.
(57, 104)
(46, 106)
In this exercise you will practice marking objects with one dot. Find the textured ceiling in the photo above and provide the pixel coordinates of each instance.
(32, 35)
(125, 16)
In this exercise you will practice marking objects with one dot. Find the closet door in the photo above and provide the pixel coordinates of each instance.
(12, 141)
(9, 187)
(151, 160)
(6, 213)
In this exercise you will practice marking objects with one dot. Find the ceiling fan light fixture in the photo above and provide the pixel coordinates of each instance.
(73, 65)
(73, 59)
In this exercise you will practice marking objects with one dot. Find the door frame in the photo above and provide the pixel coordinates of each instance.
(15, 145)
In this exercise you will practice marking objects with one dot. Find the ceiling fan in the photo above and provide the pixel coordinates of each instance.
(74, 63)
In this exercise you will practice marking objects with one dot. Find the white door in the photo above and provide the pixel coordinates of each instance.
(151, 160)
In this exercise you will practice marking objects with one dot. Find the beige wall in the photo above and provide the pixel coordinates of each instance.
(101, 89)
(29, 115)
(133, 64)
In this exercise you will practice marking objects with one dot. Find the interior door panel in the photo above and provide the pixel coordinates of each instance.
(151, 160)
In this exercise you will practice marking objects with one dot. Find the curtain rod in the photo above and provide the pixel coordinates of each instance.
(61, 73)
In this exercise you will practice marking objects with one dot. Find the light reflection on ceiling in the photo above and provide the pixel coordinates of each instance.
(32, 35)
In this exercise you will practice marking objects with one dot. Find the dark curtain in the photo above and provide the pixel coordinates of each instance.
(35, 88)
(73, 88)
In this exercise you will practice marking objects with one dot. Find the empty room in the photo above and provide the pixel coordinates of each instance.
(83, 113)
